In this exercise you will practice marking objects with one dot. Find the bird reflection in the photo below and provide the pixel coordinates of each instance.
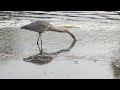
(47, 57)
(38, 59)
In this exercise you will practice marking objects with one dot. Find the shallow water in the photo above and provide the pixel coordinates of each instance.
(94, 55)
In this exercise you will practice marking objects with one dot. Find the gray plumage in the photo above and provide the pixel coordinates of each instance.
(38, 26)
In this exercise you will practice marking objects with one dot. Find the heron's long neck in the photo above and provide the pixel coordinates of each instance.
(57, 30)
(63, 31)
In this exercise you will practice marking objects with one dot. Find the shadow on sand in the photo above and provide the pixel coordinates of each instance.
(116, 68)
(47, 57)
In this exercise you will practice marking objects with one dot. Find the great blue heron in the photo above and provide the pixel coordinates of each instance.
(41, 27)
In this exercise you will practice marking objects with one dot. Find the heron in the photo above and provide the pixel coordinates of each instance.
(41, 26)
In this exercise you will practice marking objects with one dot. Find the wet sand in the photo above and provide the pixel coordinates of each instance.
(92, 56)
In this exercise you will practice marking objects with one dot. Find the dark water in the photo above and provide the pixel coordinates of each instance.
(94, 55)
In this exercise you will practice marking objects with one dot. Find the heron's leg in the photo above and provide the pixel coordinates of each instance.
(41, 51)
(38, 42)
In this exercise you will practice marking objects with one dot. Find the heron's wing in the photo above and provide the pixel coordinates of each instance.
(38, 26)
(43, 26)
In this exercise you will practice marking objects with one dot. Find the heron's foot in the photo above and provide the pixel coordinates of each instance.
(41, 54)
